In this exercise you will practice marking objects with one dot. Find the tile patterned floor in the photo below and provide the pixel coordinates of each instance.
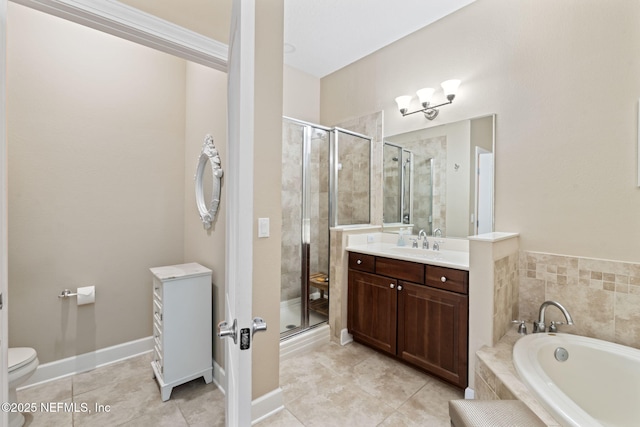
(332, 386)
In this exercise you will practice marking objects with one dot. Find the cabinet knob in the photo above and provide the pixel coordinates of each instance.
(359, 262)
(443, 279)
(399, 287)
(391, 285)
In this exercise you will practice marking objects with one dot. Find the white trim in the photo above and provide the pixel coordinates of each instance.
(88, 361)
(4, 206)
(345, 337)
(219, 377)
(267, 405)
(469, 393)
(132, 24)
(304, 342)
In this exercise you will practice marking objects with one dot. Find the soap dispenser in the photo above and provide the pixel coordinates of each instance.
(401, 237)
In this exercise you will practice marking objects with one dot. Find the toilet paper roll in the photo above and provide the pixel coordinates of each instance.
(86, 295)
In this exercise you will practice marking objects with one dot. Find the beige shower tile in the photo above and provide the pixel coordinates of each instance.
(592, 310)
(627, 320)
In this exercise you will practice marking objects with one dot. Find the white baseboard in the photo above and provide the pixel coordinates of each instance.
(219, 377)
(345, 337)
(88, 361)
(261, 407)
(469, 393)
(267, 405)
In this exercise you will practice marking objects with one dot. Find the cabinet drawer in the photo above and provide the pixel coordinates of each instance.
(448, 279)
(157, 312)
(157, 289)
(157, 358)
(157, 335)
(403, 270)
(362, 262)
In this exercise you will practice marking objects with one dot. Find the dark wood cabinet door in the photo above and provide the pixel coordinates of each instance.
(372, 315)
(432, 331)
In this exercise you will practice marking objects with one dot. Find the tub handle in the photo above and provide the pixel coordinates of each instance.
(522, 327)
(553, 327)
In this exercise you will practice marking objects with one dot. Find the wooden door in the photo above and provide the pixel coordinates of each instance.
(372, 306)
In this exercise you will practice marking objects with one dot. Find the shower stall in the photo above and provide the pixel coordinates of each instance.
(314, 185)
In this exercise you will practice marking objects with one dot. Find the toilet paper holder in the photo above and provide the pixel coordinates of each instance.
(67, 294)
(86, 295)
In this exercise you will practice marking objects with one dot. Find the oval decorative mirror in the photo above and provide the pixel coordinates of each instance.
(208, 176)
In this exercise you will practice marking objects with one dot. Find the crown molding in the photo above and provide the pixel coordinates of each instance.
(132, 24)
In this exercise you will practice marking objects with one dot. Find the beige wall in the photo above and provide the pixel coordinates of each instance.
(96, 172)
(267, 192)
(301, 95)
(565, 168)
(209, 18)
(206, 113)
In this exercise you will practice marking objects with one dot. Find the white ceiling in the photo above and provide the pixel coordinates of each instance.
(330, 34)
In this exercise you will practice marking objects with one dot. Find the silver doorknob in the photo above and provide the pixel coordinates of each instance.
(359, 262)
(399, 287)
(392, 285)
(225, 330)
(443, 279)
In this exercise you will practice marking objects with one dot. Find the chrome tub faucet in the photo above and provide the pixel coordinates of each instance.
(539, 325)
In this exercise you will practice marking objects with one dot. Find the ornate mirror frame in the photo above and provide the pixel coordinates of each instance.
(209, 152)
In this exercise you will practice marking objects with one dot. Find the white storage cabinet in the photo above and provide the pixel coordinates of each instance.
(181, 325)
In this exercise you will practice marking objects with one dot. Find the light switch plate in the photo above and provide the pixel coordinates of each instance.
(263, 227)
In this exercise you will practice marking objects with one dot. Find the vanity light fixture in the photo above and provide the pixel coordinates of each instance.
(449, 87)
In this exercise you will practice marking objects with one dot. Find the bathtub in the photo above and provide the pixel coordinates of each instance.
(597, 385)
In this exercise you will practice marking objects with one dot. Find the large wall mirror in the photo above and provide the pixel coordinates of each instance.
(350, 178)
(441, 178)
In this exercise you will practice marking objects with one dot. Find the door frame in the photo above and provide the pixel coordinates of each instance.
(4, 257)
(134, 25)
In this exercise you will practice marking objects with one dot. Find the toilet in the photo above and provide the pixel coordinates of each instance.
(22, 362)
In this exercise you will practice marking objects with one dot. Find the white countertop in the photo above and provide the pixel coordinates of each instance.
(444, 258)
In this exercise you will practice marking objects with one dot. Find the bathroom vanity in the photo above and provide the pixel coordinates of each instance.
(415, 311)
(181, 325)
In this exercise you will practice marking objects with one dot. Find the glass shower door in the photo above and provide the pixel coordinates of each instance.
(305, 227)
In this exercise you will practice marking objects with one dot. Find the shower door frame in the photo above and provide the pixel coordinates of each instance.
(334, 162)
(305, 232)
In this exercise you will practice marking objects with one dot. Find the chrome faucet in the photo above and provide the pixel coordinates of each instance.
(436, 244)
(425, 242)
(539, 326)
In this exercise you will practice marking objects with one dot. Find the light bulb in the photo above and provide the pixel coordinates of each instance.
(403, 103)
(425, 96)
(450, 88)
